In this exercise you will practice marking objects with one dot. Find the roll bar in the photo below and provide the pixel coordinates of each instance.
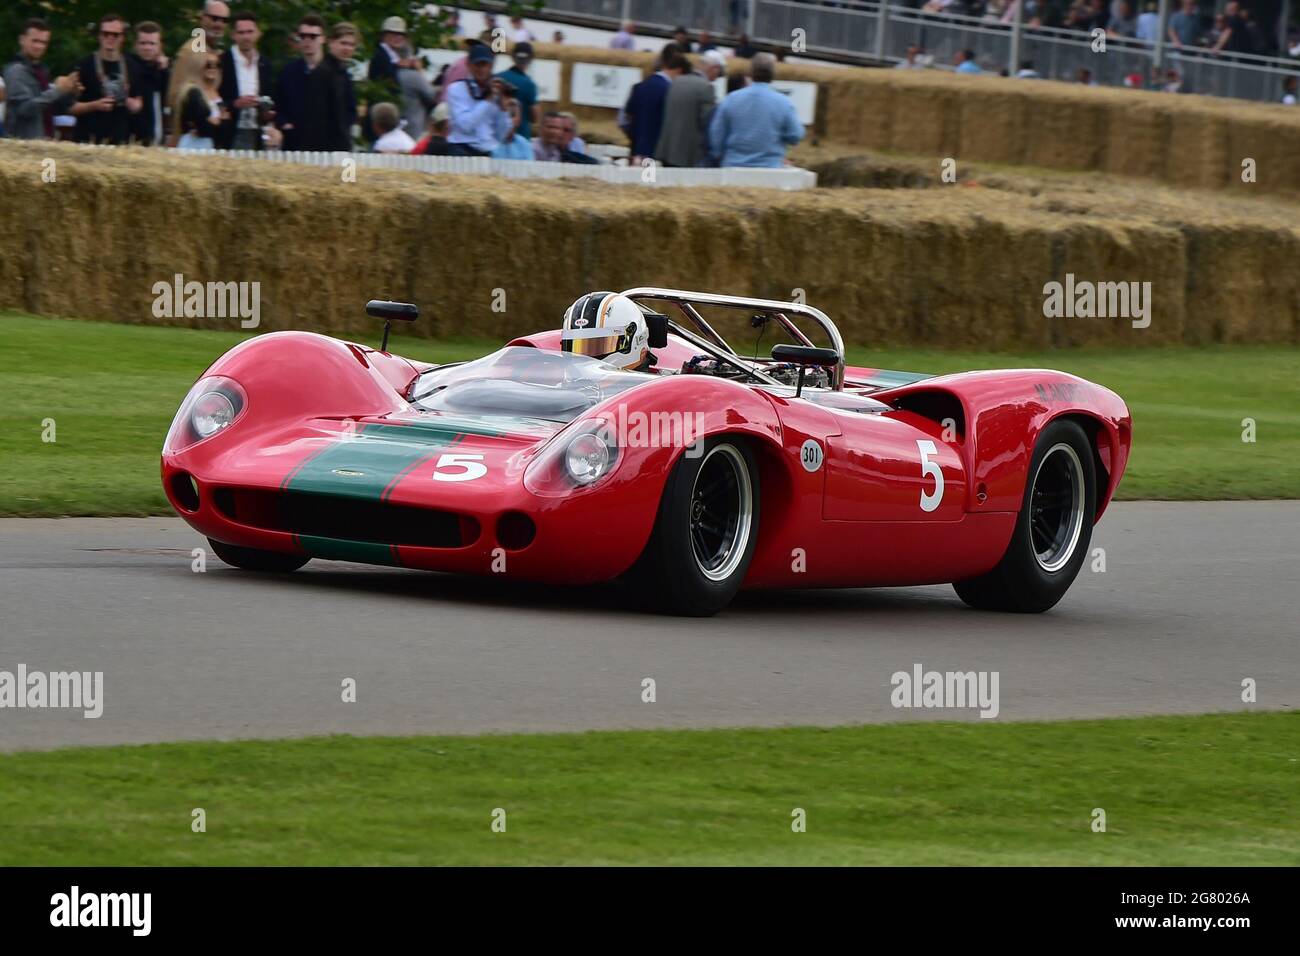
(686, 302)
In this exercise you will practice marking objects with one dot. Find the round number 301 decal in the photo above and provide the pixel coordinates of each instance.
(930, 469)
(810, 455)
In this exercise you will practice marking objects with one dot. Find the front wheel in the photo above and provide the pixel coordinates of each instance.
(254, 559)
(1052, 533)
(705, 532)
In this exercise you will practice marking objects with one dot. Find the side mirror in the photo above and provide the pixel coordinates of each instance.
(391, 312)
(806, 355)
(658, 324)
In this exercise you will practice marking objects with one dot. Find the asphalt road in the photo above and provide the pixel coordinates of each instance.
(1195, 598)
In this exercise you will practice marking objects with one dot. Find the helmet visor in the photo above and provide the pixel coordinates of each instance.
(596, 343)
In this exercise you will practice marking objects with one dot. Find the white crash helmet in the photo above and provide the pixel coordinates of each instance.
(608, 326)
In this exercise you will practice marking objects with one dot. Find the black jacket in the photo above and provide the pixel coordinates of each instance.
(382, 66)
(196, 117)
(317, 104)
(153, 82)
(111, 126)
(230, 90)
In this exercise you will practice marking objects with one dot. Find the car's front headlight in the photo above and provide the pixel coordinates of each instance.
(587, 458)
(212, 406)
(578, 457)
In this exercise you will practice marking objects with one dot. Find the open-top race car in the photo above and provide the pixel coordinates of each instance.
(635, 443)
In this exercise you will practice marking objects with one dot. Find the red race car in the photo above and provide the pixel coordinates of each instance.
(635, 443)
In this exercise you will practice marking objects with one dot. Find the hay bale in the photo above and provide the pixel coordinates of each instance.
(952, 265)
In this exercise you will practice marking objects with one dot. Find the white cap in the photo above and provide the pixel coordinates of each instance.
(715, 57)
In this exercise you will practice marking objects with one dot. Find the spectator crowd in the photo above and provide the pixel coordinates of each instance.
(226, 92)
(1241, 28)
(1232, 27)
(674, 115)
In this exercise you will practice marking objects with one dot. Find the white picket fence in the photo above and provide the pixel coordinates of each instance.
(785, 178)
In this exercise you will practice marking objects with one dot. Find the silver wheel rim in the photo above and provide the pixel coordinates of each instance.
(1056, 507)
(721, 512)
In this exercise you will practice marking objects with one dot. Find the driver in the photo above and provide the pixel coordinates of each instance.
(610, 327)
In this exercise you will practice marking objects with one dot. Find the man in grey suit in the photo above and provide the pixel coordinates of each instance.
(33, 99)
(687, 109)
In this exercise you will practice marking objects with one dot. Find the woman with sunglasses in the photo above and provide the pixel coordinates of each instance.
(203, 117)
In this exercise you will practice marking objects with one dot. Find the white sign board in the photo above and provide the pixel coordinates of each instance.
(803, 95)
(545, 73)
(599, 84)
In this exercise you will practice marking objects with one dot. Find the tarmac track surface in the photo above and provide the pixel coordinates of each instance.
(1196, 597)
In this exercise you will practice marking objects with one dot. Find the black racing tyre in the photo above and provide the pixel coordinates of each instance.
(705, 532)
(1052, 533)
(254, 559)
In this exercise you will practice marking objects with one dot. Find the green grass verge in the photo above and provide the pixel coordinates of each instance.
(1203, 790)
(112, 390)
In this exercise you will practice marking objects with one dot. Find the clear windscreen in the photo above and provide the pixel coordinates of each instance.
(523, 382)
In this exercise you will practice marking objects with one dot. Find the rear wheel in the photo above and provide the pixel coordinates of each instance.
(254, 559)
(705, 532)
(1052, 533)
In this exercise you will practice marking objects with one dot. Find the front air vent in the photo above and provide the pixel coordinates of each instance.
(346, 519)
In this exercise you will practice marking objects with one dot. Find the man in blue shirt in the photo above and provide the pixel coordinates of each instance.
(526, 89)
(965, 60)
(480, 112)
(1148, 25)
(1185, 25)
(754, 125)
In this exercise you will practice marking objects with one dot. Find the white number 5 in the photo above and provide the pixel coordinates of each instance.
(473, 465)
(928, 467)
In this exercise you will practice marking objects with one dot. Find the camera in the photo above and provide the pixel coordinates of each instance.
(115, 89)
(265, 110)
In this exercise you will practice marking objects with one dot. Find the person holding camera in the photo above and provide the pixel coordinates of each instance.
(514, 145)
(34, 96)
(110, 84)
(483, 114)
(246, 84)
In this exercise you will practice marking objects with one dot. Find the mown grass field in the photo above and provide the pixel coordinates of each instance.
(1203, 790)
(112, 389)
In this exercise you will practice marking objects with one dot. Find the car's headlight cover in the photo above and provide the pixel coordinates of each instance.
(583, 455)
(587, 458)
(213, 405)
(212, 412)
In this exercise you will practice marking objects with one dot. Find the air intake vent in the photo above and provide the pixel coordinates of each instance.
(347, 519)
